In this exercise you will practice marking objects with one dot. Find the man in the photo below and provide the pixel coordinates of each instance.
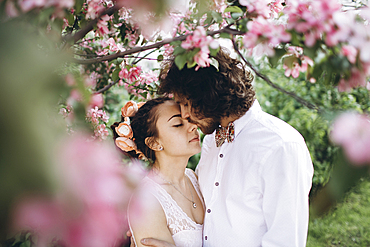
(256, 173)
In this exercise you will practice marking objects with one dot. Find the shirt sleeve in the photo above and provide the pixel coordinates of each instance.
(286, 179)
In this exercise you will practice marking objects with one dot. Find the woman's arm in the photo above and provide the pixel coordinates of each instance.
(147, 219)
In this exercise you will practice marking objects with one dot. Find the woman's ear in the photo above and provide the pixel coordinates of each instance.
(153, 144)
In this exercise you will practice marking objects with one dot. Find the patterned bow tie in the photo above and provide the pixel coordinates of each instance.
(225, 133)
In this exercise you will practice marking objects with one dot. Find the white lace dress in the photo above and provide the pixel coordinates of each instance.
(185, 232)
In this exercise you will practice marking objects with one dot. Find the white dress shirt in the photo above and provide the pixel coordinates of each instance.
(256, 188)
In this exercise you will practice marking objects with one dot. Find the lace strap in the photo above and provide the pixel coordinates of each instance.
(177, 219)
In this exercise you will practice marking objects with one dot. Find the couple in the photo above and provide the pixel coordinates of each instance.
(252, 182)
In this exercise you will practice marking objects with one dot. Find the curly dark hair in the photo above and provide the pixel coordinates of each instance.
(212, 93)
(143, 124)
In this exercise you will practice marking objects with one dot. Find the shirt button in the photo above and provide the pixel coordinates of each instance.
(205, 237)
(208, 210)
(221, 155)
(217, 184)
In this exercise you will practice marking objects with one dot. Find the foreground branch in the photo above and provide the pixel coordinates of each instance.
(266, 79)
(134, 50)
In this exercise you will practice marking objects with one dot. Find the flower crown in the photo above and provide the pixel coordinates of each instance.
(125, 141)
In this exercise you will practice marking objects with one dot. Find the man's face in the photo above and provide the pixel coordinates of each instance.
(206, 125)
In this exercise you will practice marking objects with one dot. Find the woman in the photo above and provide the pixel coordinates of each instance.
(176, 208)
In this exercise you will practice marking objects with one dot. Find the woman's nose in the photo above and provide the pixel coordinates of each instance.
(192, 127)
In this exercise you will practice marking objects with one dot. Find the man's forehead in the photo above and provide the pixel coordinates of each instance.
(180, 99)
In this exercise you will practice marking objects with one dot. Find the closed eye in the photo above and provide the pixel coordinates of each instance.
(177, 125)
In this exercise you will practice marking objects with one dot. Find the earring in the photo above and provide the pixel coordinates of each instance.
(160, 148)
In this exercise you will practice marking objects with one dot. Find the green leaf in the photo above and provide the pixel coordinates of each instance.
(225, 35)
(70, 18)
(180, 61)
(178, 50)
(190, 65)
(233, 9)
(216, 16)
(275, 59)
(213, 52)
(115, 73)
(160, 58)
(236, 15)
(78, 5)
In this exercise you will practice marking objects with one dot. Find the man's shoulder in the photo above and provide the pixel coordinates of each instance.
(273, 128)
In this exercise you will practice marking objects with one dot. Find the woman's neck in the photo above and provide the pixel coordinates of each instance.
(172, 170)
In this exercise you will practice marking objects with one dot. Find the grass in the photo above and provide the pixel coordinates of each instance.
(347, 224)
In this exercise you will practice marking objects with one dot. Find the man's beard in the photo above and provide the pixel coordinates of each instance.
(208, 126)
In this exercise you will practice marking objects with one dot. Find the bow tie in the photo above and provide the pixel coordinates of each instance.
(224, 133)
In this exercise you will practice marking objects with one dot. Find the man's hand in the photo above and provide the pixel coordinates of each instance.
(155, 242)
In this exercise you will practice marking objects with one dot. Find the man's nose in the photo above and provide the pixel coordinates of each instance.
(185, 113)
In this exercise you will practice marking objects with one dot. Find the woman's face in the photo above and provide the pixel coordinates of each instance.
(176, 135)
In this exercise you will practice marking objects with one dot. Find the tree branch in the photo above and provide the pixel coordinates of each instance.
(226, 29)
(266, 79)
(89, 26)
(106, 87)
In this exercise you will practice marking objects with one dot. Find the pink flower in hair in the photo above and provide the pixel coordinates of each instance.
(129, 109)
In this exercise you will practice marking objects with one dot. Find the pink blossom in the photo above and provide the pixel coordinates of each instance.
(148, 78)
(89, 207)
(313, 19)
(350, 52)
(357, 79)
(352, 132)
(199, 39)
(264, 35)
(94, 7)
(260, 7)
(296, 63)
(123, 73)
(10, 9)
(103, 25)
(70, 80)
(27, 5)
(97, 100)
(90, 80)
(202, 59)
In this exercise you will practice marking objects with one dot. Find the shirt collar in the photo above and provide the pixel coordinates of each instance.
(247, 117)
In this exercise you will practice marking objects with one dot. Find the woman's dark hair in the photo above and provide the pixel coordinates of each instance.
(213, 93)
(143, 125)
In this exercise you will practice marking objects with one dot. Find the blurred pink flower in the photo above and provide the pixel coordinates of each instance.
(10, 9)
(70, 80)
(89, 207)
(96, 100)
(350, 52)
(264, 35)
(313, 19)
(357, 79)
(261, 7)
(352, 132)
(39, 215)
(27, 5)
